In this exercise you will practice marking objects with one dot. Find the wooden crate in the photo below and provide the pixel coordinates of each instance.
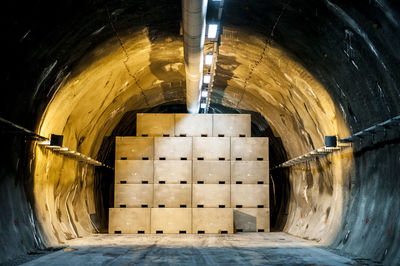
(171, 221)
(155, 125)
(129, 221)
(213, 221)
(134, 148)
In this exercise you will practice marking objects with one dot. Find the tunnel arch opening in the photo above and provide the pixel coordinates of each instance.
(111, 84)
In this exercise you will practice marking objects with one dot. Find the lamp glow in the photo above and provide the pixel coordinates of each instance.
(206, 79)
(212, 31)
(204, 93)
(208, 59)
(203, 105)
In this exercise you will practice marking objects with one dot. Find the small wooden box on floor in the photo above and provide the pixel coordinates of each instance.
(251, 219)
(171, 221)
(213, 221)
(129, 221)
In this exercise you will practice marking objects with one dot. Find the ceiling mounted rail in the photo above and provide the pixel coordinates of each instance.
(214, 30)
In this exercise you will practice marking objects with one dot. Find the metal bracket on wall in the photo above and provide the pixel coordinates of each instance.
(311, 155)
(8, 127)
(343, 143)
(392, 122)
(71, 153)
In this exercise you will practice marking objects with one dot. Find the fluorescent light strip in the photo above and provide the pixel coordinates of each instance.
(206, 79)
(212, 31)
(208, 59)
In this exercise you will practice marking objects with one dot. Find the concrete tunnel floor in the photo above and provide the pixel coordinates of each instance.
(236, 249)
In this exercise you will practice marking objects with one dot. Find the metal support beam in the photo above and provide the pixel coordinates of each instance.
(6, 125)
(346, 142)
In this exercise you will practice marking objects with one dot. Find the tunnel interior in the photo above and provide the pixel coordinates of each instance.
(302, 69)
(104, 179)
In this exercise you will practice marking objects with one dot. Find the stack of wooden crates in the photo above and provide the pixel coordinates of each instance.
(191, 173)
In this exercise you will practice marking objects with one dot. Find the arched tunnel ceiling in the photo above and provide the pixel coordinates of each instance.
(142, 67)
(321, 68)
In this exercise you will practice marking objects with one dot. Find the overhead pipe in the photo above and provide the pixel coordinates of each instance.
(194, 28)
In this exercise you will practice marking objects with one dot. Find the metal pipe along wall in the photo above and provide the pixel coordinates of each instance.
(194, 24)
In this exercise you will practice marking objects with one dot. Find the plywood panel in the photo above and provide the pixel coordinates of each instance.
(193, 125)
(171, 220)
(232, 125)
(173, 148)
(250, 196)
(213, 220)
(251, 219)
(173, 172)
(155, 124)
(133, 171)
(172, 196)
(212, 148)
(249, 149)
(211, 172)
(211, 196)
(250, 172)
(133, 148)
(129, 220)
(133, 195)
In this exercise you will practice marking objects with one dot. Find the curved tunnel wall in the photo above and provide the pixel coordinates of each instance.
(300, 85)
